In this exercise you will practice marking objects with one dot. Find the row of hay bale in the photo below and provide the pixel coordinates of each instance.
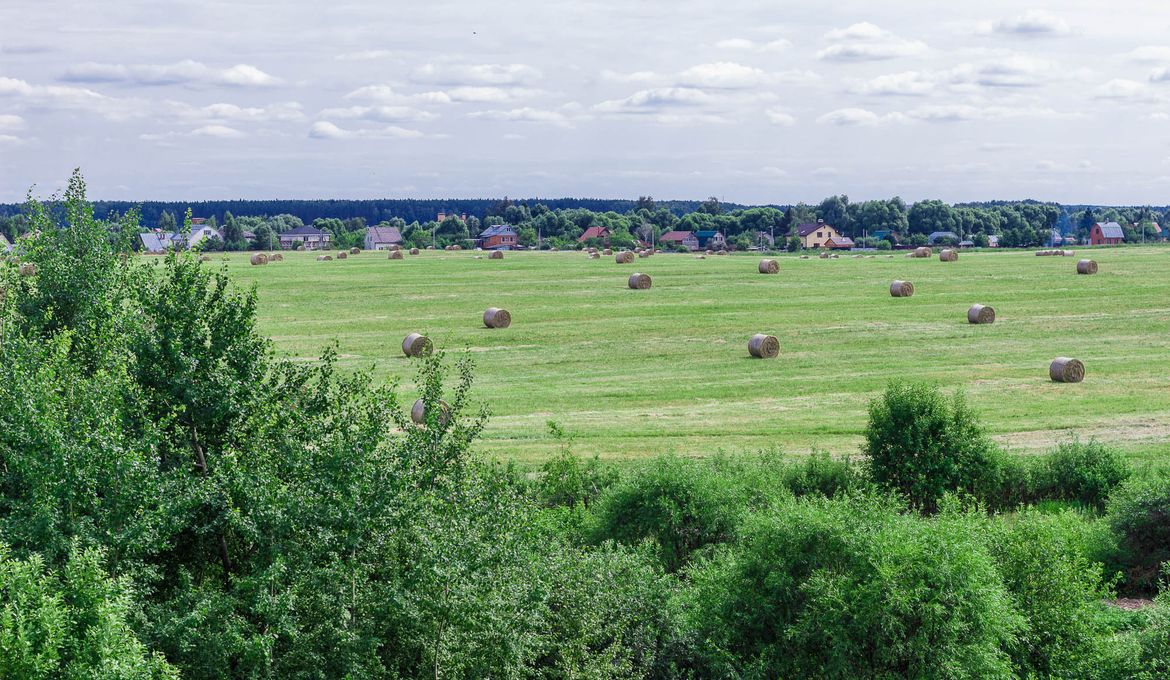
(257, 259)
(1055, 253)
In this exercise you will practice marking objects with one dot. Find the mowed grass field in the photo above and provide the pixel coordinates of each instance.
(632, 373)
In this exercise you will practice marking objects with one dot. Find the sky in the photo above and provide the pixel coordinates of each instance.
(752, 102)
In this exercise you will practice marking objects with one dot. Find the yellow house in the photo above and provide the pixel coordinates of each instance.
(817, 235)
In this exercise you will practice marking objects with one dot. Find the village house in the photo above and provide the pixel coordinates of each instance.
(711, 240)
(381, 238)
(816, 234)
(600, 233)
(308, 236)
(686, 239)
(1106, 234)
(763, 239)
(160, 242)
(839, 243)
(498, 237)
(947, 236)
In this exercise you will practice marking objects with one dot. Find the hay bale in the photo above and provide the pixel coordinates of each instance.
(594, 256)
(414, 251)
(709, 252)
(259, 258)
(824, 256)
(395, 246)
(355, 251)
(417, 345)
(643, 253)
(394, 255)
(205, 258)
(700, 257)
(769, 267)
(276, 257)
(948, 255)
(342, 255)
(804, 257)
(901, 289)
(835, 256)
(981, 314)
(1068, 253)
(721, 252)
(1066, 370)
(624, 257)
(607, 251)
(494, 317)
(763, 346)
(639, 281)
(923, 251)
(496, 255)
(1087, 267)
(418, 412)
(430, 247)
(28, 269)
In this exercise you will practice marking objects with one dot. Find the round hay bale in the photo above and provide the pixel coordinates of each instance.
(594, 256)
(824, 256)
(394, 255)
(417, 345)
(1066, 370)
(721, 252)
(259, 258)
(1087, 267)
(342, 255)
(948, 255)
(763, 346)
(923, 251)
(395, 246)
(1068, 253)
(28, 269)
(205, 258)
(981, 314)
(769, 267)
(355, 251)
(494, 317)
(414, 251)
(901, 289)
(496, 255)
(624, 257)
(835, 256)
(276, 257)
(430, 247)
(639, 281)
(700, 257)
(322, 258)
(607, 251)
(418, 412)
(804, 257)
(643, 253)
(456, 247)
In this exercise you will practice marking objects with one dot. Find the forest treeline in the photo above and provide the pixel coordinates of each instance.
(558, 223)
(178, 501)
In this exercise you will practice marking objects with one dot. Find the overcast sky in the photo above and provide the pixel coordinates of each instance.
(755, 102)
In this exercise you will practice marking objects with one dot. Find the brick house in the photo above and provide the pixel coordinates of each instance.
(685, 239)
(600, 233)
(499, 237)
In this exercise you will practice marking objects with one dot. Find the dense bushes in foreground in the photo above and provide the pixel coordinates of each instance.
(178, 501)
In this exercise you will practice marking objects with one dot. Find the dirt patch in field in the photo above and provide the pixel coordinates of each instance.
(1121, 431)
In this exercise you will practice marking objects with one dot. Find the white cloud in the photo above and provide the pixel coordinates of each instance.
(71, 98)
(382, 114)
(526, 114)
(218, 131)
(282, 112)
(652, 100)
(722, 75)
(1010, 71)
(949, 113)
(364, 55)
(635, 77)
(868, 42)
(1121, 89)
(183, 72)
(852, 116)
(1031, 24)
(908, 84)
(1149, 54)
(326, 130)
(1160, 75)
(475, 74)
(11, 122)
(11, 140)
(780, 117)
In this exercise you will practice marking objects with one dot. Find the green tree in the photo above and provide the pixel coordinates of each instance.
(166, 222)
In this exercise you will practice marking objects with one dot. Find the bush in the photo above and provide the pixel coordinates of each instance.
(567, 480)
(1084, 472)
(673, 502)
(820, 473)
(1046, 562)
(850, 588)
(1139, 513)
(923, 445)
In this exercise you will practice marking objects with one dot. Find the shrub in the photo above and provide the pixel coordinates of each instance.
(820, 473)
(1084, 472)
(568, 480)
(923, 445)
(673, 502)
(850, 588)
(1139, 513)
(1046, 562)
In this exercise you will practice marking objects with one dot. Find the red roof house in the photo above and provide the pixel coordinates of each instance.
(594, 232)
(687, 239)
(1107, 234)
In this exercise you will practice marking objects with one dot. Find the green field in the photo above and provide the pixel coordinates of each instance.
(634, 373)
